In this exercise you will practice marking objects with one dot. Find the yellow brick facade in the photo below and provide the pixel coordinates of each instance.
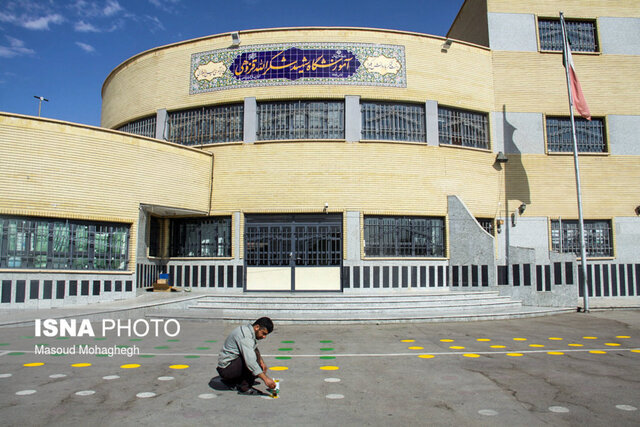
(64, 170)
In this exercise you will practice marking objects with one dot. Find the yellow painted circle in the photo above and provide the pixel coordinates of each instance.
(426, 356)
(30, 365)
(130, 366)
(329, 368)
(623, 337)
(536, 345)
(590, 338)
(519, 339)
(483, 339)
(498, 346)
(555, 339)
(597, 352)
(456, 347)
(179, 366)
(416, 348)
(555, 353)
(446, 340)
(635, 351)
(81, 365)
(576, 345)
(612, 344)
(278, 368)
(407, 340)
(472, 355)
(515, 354)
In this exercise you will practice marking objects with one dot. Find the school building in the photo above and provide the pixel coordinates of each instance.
(341, 160)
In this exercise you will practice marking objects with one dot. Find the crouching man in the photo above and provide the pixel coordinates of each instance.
(239, 361)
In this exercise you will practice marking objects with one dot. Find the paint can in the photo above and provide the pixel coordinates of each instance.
(275, 391)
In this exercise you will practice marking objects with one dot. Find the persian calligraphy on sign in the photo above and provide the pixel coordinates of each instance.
(294, 63)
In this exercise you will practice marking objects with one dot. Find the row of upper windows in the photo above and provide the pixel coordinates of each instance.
(379, 121)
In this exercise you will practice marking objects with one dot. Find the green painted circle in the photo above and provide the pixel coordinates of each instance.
(285, 349)
(44, 344)
(287, 342)
(102, 355)
(15, 353)
(135, 339)
(27, 337)
(327, 349)
(174, 340)
(203, 348)
(326, 341)
(147, 356)
(283, 357)
(211, 341)
(192, 357)
(162, 347)
(4, 343)
(327, 357)
(100, 339)
(123, 346)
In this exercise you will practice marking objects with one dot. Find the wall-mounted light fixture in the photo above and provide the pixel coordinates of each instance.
(235, 39)
(501, 158)
(326, 208)
(638, 210)
(499, 223)
(522, 208)
(446, 45)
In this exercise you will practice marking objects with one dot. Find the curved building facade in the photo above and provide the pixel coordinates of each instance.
(333, 159)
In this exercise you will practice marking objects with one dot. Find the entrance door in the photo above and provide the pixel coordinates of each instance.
(293, 252)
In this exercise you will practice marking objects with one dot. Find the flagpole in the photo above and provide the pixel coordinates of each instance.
(583, 252)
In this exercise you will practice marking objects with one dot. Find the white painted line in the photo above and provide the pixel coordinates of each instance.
(166, 378)
(5, 375)
(57, 376)
(558, 409)
(488, 412)
(2, 353)
(626, 407)
(334, 396)
(85, 393)
(332, 380)
(25, 392)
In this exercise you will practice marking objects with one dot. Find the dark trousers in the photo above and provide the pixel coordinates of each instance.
(237, 373)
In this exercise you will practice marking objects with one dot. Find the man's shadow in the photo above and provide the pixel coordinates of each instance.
(217, 384)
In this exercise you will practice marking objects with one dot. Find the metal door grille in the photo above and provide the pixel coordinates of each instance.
(395, 122)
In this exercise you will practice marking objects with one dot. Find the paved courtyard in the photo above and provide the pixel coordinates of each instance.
(570, 369)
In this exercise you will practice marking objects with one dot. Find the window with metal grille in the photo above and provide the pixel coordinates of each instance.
(393, 121)
(389, 236)
(44, 243)
(461, 127)
(581, 34)
(300, 120)
(565, 237)
(206, 125)
(589, 135)
(142, 127)
(201, 237)
(486, 224)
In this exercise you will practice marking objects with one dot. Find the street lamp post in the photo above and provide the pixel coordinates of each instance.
(41, 98)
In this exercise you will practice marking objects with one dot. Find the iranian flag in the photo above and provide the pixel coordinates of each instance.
(576, 90)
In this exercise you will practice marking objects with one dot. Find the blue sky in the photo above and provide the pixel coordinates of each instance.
(64, 50)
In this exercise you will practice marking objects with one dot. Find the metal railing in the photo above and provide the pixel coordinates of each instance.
(565, 237)
(404, 236)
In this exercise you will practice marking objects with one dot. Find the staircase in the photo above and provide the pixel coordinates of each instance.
(360, 307)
